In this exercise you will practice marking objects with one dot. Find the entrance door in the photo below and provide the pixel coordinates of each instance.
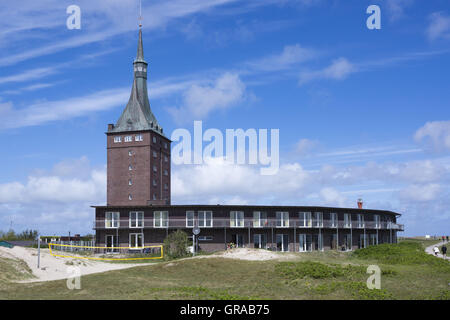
(282, 242)
(333, 241)
(317, 241)
(238, 240)
(260, 241)
(111, 244)
(304, 241)
(348, 241)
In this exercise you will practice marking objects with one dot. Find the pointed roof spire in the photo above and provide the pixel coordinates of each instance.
(138, 115)
(140, 50)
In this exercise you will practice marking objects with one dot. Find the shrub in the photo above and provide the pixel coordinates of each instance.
(175, 245)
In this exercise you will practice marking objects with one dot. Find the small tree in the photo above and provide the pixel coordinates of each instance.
(176, 244)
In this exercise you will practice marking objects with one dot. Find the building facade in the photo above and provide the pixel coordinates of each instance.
(139, 212)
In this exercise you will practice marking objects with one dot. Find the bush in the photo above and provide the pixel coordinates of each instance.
(176, 244)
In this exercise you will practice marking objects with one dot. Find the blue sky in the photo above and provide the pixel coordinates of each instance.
(362, 113)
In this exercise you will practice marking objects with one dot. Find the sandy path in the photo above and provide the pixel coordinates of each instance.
(55, 268)
(430, 250)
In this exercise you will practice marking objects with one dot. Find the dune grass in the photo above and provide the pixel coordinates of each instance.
(410, 274)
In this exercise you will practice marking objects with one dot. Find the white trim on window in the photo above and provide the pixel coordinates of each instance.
(136, 219)
(237, 219)
(259, 219)
(112, 220)
(160, 219)
(135, 243)
(128, 138)
(305, 220)
(138, 137)
(282, 219)
(205, 219)
(117, 139)
(190, 220)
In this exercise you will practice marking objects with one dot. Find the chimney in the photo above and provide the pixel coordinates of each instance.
(110, 126)
(360, 203)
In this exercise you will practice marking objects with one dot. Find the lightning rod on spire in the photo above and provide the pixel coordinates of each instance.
(140, 13)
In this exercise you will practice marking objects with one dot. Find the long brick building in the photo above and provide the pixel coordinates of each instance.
(139, 211)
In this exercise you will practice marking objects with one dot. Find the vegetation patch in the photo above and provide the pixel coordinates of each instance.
(316, 270)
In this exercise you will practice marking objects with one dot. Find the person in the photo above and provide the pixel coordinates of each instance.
(444, 250)
(436, 250)
(447, 238)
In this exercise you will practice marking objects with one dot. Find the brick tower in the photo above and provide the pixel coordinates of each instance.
(138, 167)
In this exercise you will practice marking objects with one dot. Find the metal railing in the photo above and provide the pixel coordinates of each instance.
(244, 223)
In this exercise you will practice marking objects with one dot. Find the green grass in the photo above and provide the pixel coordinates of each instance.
(410, 274)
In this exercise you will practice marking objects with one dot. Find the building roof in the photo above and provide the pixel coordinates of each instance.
(137, 115)
(280, 207)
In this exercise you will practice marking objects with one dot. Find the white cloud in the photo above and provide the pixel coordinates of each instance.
(396, 8)
(434, 135)
(291, 55)
(200, 100)
(332, 197)
(439, 26)
(338, 70)
(423, 193)
(28, 75)
(305, 146)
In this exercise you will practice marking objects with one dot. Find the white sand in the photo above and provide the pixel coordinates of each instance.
(55, 268)
(252, 255)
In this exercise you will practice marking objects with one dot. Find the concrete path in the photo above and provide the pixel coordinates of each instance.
(430, 250)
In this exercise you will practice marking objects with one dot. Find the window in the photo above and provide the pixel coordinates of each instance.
(130, 197)
(154, 182)
(130, 167)
(166, 172)
(377, 221)
(360, 221)
(154, 139)
(259, 219)
(333, 219)
(189, 219)
(117, 139)
(237, 219)
(165, 145)
(138, 137)
(155, 155)
(205, 238)
(136, 219)
(205, 218)
(155, 169)
(128, 138)
(166, 159)
(112, 220)
(347, 220)
(130, 182)
(304, 242)
(259, 241)
(130, 153)
(160, 219)
(304, 219)
(318, 219)
(154, 196)
(282, 219)
(136, 240)
(166, 187)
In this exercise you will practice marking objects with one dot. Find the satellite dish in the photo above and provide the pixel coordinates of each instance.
(196, 231)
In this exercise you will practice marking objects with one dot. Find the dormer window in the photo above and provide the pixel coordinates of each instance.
(117, 139)
(128, 139)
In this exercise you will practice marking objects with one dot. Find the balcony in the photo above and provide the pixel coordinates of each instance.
(177, 223)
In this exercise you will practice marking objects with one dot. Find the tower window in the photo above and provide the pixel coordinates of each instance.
(130, 153)
(130, 182)
(166, 159)
(128, 139)
(154, 139)
(155, 155)
(117, 139)
(154, 182)
(130, 197)
(155, 169)
(138, 137)
(166, 172)
(130, 167)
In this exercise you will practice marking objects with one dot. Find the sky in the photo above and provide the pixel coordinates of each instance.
(362, 113)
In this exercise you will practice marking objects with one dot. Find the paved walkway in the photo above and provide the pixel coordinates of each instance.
(430, 250)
